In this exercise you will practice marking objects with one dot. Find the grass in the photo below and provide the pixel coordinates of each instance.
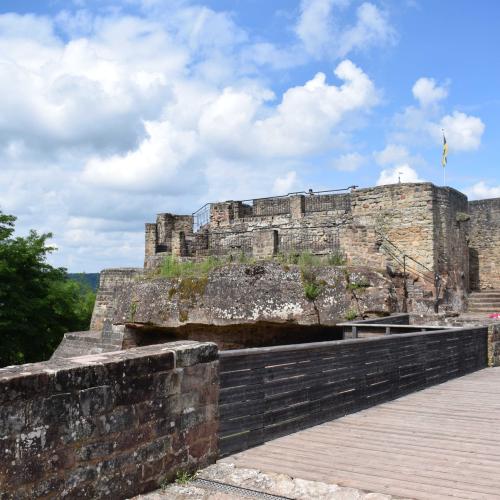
(336, 259)
(308, 264)
(312, 290)
(351, 314)
(133, 311)
(175, 268)
(172, 267)
(307, 259)
(358, 285)
(183, 477)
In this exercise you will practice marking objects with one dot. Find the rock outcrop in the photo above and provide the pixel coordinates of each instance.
(262, 292)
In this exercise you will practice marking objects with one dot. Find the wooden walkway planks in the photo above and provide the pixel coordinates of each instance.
(439, 443)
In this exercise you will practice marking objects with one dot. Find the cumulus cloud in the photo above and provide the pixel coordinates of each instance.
(481, 190)
(423, 124)
(427, 92)
(463, 132)
(400, 173)
(320, 31)
(107, 119)
(372, 28)
(399, 165)
(239, 122)
(392, 153)
(286, 183)
(154, 165)
(349, 162)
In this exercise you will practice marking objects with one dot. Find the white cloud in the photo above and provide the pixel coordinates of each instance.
(314, 25)
(423, 125)
(320, 31)
(154, 165)
(463, 132)
(427, 92)
(238, 122)
(349, 162)
(372, 28)
(481, 190)
(127, 115)
(286, 183)
(403, 173)
(392, 153)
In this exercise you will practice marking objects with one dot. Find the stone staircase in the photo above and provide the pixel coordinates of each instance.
(484, 302)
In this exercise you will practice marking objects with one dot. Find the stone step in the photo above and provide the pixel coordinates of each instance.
(489, 300)
(486, 293)
(487, 310)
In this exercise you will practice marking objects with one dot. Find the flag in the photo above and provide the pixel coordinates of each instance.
(444, 158)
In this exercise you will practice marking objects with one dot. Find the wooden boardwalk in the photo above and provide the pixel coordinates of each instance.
(439, 443)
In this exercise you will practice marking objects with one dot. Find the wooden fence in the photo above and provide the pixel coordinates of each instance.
(273, 391)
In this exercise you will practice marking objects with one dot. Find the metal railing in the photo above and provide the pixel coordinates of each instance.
(327, 202)
(411, 265)
(279, 205)
(293, 242)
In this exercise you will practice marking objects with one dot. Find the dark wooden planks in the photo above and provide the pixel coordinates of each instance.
(270, 392)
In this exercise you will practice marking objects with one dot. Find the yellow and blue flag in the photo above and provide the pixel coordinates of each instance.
(444, 158)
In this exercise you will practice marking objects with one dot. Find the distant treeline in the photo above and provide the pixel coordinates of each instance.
(91, 279)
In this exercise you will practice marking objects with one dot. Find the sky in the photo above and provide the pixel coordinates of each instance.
(112, 112)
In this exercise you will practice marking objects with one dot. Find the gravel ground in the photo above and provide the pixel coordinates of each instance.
(252, 479)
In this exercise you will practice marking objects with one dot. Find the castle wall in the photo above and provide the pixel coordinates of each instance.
(424, 225)
(485, 244)
(401, 213)
(112, 425)
(110, 282)
(452, 252)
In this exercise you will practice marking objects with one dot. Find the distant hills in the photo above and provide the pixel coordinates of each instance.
(91, 279)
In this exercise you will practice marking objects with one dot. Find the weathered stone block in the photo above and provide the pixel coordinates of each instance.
(105, 440)
(264, 243)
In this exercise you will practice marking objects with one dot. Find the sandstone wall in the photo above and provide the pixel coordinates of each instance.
(485, 244)
(452, 253)
(107, 426)
(402, 213)
(110, 282)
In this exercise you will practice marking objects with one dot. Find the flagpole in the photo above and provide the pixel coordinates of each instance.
(444, 159)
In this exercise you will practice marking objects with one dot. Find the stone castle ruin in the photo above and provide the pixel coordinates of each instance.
(443, 244)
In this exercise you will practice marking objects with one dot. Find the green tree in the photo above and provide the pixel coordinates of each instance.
(38, 303)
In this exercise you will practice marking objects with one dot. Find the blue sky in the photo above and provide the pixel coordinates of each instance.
(115, 111)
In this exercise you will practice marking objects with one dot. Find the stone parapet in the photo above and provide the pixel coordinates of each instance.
(112, 425)
(110, 282)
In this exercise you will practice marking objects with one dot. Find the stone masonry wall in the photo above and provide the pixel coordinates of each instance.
(485, 244)
(110, 282)
(112, 425)
(372, 227)
(402, 213)
(450, 234)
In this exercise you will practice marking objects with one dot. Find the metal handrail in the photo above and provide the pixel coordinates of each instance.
(197, 214)
(295, 193)
(436, 279)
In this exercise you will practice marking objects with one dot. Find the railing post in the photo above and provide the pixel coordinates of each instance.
(436, 291)
(405, 288)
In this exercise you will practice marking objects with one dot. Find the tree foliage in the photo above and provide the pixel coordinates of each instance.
(38, 303)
